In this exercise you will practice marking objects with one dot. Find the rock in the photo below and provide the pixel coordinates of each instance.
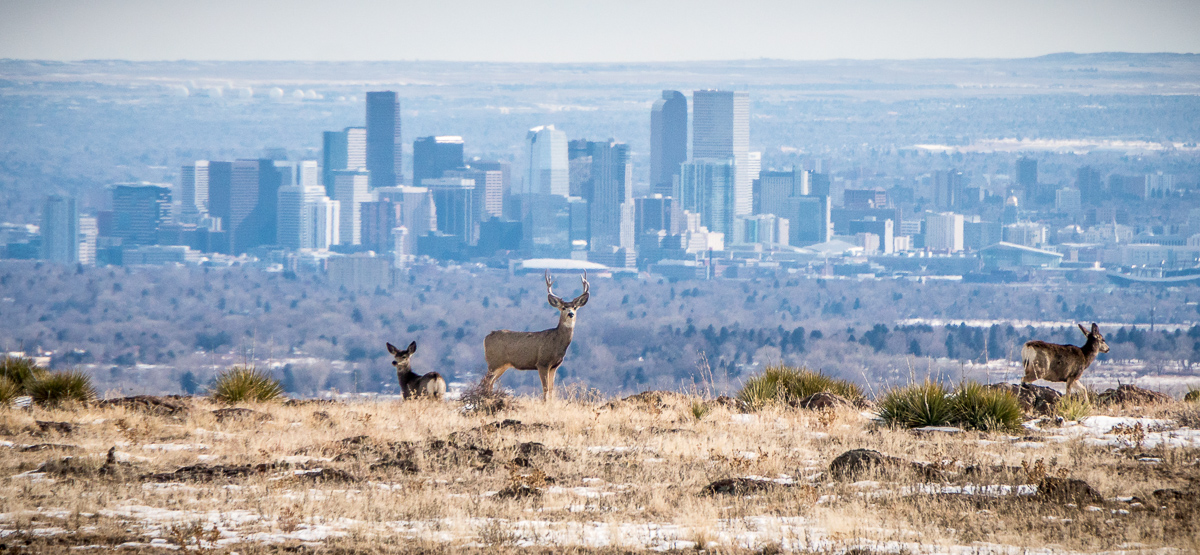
(60, 427)
(1165, 496)
(1067, 490)
(937, 430)
(66, 466)
(1192, 396)
(307, 402)
(854, 462)
(403, 465)
(648, 399)
(739, 486)
(1033, 398)
(1129, 394)
(519, 491)
(326, 475)
(238, 413)
(170, 405)
(823, 401)
(47, 447)
(205, 473)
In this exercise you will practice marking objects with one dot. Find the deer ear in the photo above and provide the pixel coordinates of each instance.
(554, 301)
(580, 300)
(1095, 328)
(1081, 328)
(412, 347)
(391, 349)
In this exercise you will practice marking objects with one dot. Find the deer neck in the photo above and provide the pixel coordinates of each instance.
(404, 371)
(566, 326)
(1090, 349)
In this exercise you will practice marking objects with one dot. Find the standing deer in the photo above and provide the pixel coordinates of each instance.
(534, 350)
(413, 385)
(1062, 363)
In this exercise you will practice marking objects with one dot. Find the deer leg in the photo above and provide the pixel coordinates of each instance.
(547, 385)
(493, 374)
(550, 381)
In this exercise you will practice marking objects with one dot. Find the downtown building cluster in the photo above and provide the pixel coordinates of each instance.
(708, 210)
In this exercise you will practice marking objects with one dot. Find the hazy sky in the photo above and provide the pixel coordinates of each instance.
(603, 31)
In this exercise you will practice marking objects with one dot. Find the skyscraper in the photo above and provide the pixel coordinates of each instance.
(253, 204)
(611, 211)
(454, 200)
(721, 129)
(434, 156)
(810, 220)
(775, 188)
(1027, 173)
(351, 188)
(326, 222)
(138, 211)
(548, 170)
(944, 232)
(668, 140)
(706, 187)
(948, 189)
(296, 228)
(220, 190)
(193, 188)
(383, 139)
(379, 218)
(60, 230)
(489, 191)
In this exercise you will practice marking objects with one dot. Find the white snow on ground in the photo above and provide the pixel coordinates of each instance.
(174, 447)
(1121, 431)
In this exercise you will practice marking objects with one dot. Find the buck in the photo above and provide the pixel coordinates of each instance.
(413, 385)
(1062, 363)
(534, 350)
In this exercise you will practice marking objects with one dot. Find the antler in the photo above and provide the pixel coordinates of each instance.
(550, 285)
(585, 283)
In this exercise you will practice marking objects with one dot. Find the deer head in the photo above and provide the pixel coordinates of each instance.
(1101, 344)
(566, 308)
(401, 361)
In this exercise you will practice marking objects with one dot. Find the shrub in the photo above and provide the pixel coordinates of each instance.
(57, 388)
(1193, 395)
(699, 409)
(9, 391)
(917, 405)
(20, 371)
(1074, 407)
(779, 384)
(980, 408)
(245, 383)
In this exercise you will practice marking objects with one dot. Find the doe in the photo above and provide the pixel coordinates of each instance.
(413, 385)
(1062, 363)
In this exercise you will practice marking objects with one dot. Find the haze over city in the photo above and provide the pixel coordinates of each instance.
(624, 275)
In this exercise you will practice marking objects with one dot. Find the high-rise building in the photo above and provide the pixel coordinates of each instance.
(60, 230)
(253, 203)
(1027, 173)
(707, 187)
(944, 232)
(296, 226)
(454, 200)
(351, 188)
(885, 230)
(1068, 201)
(384, 144)
(657, 213)
(546, 226)
(775, 188)
(721, 129)
(89, 231)
(579, 162)
(379, 219)
(489, 191)
(1090, 185)
(1029, 234)
(948, 189)
(341, 150)
(193, 188)
(418, 213)
(505, 184)
(139, 209)
(309, 174)
(548, 171)
(668, 140)
(326, 215)
(610, 207)
(810, 220)
(434, 156)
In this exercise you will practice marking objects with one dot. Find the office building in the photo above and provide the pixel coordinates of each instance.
(720, 130)
(341, 150)
(384, 144)
(883, 229)
(706, 187)
(944, 232)
(1068, 201)
(351, 188)
(418, 213)
(811, 220)
(60, 230)
(579, 164)
(326, 217)
(765, 229)
(948, 190)
(978, 233)
(379, 219)
(434, 156)
(296, 226)
(668, 140)
(546, 226)
(89, 232)
(505, 170)
(610, 206)
(193, 188)
(309, 174)
(1029, 234)
(489, 191)
(1090, 185)
(454, 201)
(775, 188)
(864, 199)
(138, 211)
(1027, 173)
(252, 203)
(657, 213)
(548, 170)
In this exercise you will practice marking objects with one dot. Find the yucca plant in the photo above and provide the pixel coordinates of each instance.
(917, 405)
(782, 383)
(699, 409)
(1193, 395)
(245, 383)
(980, 408)
(58, 388)
(1074, 407)
(20, 371)
(9, 391)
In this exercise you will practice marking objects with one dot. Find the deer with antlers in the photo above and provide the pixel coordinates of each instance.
(535, 350)
(1062, 363)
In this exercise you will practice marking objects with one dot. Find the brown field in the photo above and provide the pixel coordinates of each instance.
(581, 475)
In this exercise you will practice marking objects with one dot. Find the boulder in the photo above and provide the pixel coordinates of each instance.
(1129, 394)
(1035, 399)
(739, 486)
(1067, 490)
(60, 427)
(238, 413)
(855, 462)
(169, 405)
(823, 401)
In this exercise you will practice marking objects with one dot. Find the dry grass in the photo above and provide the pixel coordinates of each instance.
(603, 477)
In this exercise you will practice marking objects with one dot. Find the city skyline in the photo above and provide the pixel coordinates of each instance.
(622, 32)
